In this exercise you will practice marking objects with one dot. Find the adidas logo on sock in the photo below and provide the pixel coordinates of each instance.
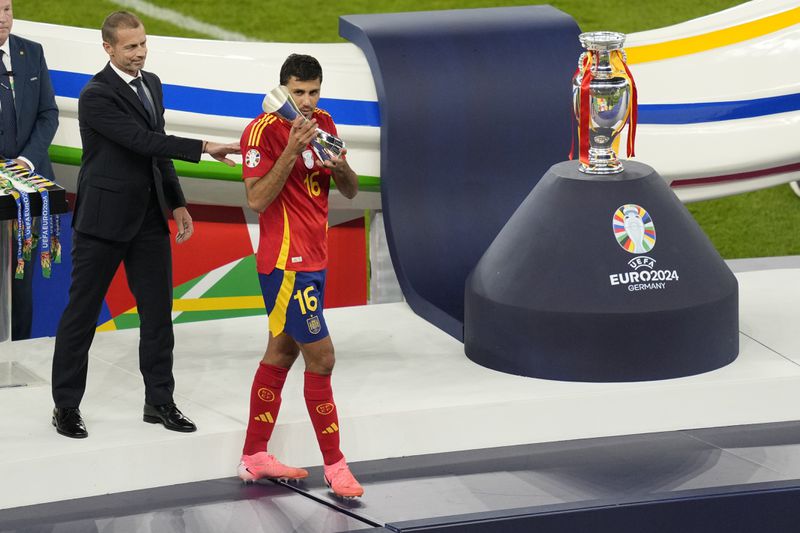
(265, 417)
(333, 428)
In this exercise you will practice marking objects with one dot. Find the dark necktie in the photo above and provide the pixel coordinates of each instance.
(137, 84)
(8, 114)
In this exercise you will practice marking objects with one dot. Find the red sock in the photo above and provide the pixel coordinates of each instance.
(322, 410)
(265, 401)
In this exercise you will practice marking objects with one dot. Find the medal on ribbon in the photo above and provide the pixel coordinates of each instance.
(19, 178)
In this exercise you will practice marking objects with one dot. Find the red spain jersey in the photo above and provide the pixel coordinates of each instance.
(293, 229)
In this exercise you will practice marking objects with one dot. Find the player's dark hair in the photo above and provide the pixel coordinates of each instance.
(115, 21)
(302, 67)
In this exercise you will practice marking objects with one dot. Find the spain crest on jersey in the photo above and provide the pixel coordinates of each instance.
(314, 325)
(308, 159)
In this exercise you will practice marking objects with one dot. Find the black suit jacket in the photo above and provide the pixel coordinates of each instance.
(34, 102)
(124, 157)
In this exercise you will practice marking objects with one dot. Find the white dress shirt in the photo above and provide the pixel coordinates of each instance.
(127, 78)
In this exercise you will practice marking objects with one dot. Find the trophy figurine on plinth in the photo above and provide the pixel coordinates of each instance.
(279, 102)
(604, 100)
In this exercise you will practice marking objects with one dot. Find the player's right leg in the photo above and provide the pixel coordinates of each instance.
(265, 393)
(265, 402)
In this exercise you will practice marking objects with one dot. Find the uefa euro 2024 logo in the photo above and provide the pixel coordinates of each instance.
(634, 229)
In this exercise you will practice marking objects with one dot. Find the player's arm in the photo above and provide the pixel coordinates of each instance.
(262, 191)
(344, 176)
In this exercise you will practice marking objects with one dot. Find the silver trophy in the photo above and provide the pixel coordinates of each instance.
(608, 100)
(280, 102)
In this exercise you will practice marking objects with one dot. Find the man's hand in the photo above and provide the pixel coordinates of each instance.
(23, 163)
(184, 223)
(219, 150)
(338, 165)
(301, 134)
(346, 180)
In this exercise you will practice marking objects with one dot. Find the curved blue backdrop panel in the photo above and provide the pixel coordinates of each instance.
(475, 106)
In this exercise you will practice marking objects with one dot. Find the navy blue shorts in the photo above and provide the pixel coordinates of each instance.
(294, 302)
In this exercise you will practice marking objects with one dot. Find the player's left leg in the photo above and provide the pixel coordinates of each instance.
(305, 323)
(319, 358)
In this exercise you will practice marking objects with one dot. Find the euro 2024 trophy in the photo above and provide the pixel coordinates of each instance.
(604, 100)
(594, 297)
(280, 102)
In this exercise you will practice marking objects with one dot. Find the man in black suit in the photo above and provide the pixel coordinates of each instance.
(28, 122)
(126, 183)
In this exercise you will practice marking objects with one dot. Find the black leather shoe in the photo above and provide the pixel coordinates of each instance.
(68, 422)
(169, 415)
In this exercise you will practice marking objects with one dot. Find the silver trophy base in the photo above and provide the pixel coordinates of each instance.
(602, 161)
(602, 170)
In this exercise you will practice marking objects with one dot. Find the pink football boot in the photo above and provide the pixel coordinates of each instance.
(264, 465)
(341, 481)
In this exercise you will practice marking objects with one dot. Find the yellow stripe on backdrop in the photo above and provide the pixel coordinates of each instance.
(714, 39)
(107, 326)
(222, 303)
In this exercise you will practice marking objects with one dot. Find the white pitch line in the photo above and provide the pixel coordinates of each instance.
(179, 19)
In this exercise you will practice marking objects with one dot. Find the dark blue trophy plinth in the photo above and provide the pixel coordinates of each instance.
(601, 278)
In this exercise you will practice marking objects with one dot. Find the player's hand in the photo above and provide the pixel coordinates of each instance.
(302, 132)
(337, 164)
(219, 150)
(184, 223)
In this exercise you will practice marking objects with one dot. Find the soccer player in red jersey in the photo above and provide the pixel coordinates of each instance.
(287, 184)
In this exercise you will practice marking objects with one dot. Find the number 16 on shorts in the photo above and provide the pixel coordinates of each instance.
(294, 303)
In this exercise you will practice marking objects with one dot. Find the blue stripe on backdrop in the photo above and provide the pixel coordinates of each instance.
(366, 113)
(227, 103)
(716, 111)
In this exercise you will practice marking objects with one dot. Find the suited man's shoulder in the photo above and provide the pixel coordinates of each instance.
(99, 84)
(30, 47)
(95, 87)
(103, 82)
(151, 78)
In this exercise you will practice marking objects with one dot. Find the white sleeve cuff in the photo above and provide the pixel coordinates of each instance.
(28, 162)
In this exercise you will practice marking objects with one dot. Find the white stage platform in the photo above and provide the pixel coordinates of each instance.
(402, 388)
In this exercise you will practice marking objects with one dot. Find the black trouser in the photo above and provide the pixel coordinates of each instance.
(148, 265)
